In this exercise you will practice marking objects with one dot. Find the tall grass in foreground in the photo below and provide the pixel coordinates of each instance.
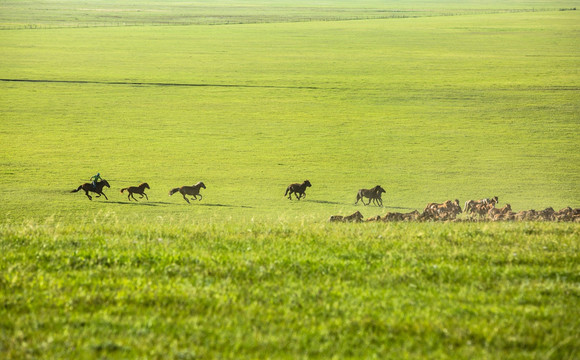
(312, 290)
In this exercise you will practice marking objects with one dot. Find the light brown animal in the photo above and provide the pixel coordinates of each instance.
(446, 211)
(411, 216)
(392, 216)
(508, 216)
(495, 211)
(547, 214)
(355, 217)
(469, 205)
(526, 215)
(482, 209)
(567, 214)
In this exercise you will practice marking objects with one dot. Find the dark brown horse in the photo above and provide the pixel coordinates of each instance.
(98, 188)
(136, 190)
(373, 195)
(189, 190)
(299, 190)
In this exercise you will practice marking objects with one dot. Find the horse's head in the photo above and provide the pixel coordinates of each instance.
(105, 183)
(145, 185)
(307, 183)
(200, 184)
(378, 189)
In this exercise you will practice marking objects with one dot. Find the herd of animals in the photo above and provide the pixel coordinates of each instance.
(475, 210)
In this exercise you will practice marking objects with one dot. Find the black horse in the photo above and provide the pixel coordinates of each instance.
(373, 195)
(98, 188)
(297, 189)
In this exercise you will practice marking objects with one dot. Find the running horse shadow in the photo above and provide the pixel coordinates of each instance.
(98, 188)
(189, 190)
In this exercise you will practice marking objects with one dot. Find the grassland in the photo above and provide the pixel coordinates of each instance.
(15, 14)
(427, 291)
(431, 107)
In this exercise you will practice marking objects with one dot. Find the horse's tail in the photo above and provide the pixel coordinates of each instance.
(173, 191)
(80, 187)
(124, 190)
(287, 189)
(358, 197)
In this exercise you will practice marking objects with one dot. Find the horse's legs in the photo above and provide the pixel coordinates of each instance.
(133, 196)
(104, 195)
(147, 197)
(87, 194)
(185, 198)
(290, 195)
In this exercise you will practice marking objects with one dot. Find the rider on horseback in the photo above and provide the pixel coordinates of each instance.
(95, 179)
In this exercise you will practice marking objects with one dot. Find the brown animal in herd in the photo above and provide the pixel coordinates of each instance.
(499, 211)
(446, 211)
(355, 217)
(485, 212)
(471, 204)
(482, 209)
(568, 214)
(396, 216)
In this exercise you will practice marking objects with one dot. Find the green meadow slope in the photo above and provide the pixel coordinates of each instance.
(432, 109)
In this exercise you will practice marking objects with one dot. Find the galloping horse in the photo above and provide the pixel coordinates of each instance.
(373, 194)
(98, 188)
(297, 189)
(189, 190)
(136, 190)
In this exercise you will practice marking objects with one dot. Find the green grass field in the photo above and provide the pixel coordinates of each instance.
(432, 100)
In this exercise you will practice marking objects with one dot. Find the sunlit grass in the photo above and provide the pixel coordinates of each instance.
(249, 289)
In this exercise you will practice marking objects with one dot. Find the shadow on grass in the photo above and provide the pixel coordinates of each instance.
(228, 205)
(326, 202)
(363, 206)
(399, 208)
(146, 203)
